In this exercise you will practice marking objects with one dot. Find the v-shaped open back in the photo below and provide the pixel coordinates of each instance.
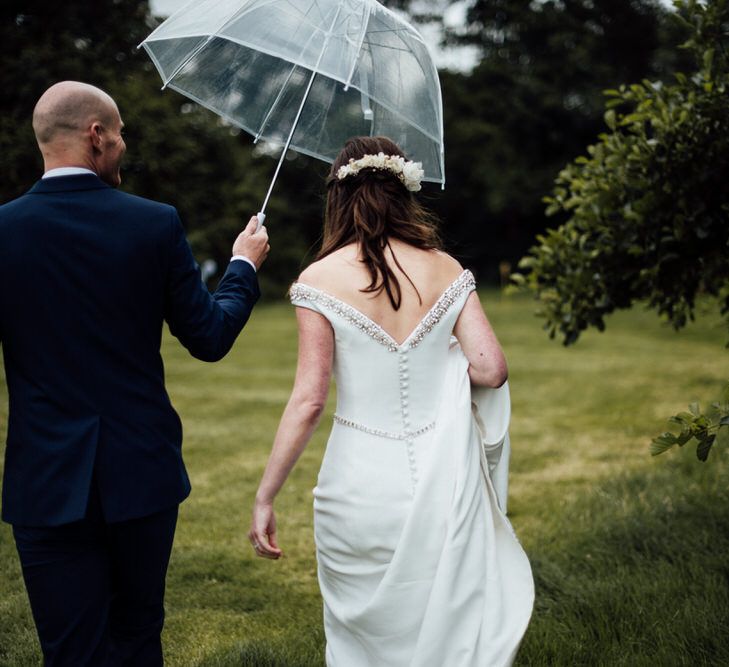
(301, 293)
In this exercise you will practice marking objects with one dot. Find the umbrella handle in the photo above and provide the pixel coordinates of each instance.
(261, 219)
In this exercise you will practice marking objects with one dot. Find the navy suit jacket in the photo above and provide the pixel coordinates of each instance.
(88, 274)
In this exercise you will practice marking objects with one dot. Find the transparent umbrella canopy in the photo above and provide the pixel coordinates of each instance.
(306, 74)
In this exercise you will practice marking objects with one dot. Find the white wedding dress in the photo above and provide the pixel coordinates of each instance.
(417, 564)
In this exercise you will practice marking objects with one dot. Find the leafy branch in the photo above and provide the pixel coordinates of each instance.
(706, 429)
(647, 211)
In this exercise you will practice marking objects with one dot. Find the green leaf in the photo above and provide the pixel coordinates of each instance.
(517, 278)
(684, 437)
(694, 408)
(610, 119)
(704, 447)
(662, 443)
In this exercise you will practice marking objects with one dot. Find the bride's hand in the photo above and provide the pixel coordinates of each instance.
(263, 532)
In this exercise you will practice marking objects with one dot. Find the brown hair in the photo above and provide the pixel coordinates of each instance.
(370, 208)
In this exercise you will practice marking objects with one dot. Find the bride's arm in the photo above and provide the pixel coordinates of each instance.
(300, 418)
(486, 361)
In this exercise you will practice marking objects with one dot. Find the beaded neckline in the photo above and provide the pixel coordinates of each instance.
(464, 282)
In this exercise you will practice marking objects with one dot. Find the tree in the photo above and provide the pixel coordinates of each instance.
(42, 42)
(648, 211)
(531, 103)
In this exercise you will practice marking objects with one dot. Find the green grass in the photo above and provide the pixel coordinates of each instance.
(630, 553)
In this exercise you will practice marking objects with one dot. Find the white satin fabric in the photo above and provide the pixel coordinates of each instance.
(418, 566)
(491, 410)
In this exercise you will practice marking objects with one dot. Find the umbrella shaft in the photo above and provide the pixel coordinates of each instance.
(301, 108)
(288, 142)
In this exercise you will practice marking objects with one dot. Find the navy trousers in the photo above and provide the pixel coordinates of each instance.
(96, 589)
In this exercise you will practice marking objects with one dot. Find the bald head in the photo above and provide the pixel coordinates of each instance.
(68, 109)
(78, 125)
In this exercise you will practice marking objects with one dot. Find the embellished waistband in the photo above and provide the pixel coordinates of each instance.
(402, 435)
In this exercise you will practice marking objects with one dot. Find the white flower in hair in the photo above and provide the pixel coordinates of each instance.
(409, 172)
(413, 173)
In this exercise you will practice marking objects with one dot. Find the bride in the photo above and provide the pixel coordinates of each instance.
(417, 564)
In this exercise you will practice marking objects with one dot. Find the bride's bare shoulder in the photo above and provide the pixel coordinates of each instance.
(327, 272)
(446, 265)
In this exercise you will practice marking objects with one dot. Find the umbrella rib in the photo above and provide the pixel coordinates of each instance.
(390, 48)
(391, 30)
(275, 103)
(200, 47)
(227, 117)
(180, 11)
(365, 23)
(305, 15)
(322, 13)
(186, 60)
(332, 92)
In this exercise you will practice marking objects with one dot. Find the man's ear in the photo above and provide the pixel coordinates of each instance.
(96, 132)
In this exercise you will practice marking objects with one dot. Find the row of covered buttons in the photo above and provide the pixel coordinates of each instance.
(410, 442)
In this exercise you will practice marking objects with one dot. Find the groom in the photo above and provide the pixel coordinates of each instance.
(93, 470)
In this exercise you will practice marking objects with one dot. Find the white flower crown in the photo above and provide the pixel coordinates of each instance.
(409, 172)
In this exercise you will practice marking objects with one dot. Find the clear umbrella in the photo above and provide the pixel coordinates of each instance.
(306, 74)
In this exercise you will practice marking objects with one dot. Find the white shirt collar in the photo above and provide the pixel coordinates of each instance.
(67, 171)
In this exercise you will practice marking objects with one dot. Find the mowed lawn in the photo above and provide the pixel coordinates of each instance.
(630, 553)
